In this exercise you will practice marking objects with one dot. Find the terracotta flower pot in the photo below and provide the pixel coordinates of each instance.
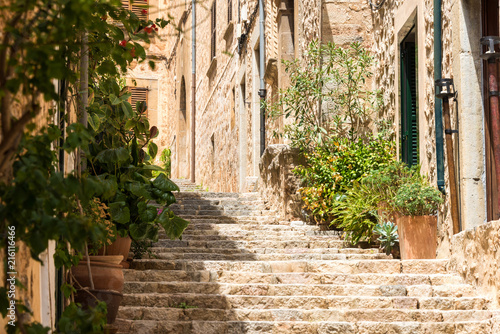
(112, 299)
(121, 246)
(417, 237)
(106, 276)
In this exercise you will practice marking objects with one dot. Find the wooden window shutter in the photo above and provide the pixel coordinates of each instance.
(136, 7)
(213, 23)
(409, 121)
(138, 94)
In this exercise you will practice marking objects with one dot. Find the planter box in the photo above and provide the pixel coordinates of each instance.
(417, 237)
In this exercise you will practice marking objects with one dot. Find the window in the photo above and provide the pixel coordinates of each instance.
(409, 105)
(138, 94)
(213, 29)
(229, 11)
(137, 7)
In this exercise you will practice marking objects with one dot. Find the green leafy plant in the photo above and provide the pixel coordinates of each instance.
(333, 169)
(184, 306)
(333, 77)
(388, 236)
(41, 46)
(356, 213)
(417, 199)
(122, 156)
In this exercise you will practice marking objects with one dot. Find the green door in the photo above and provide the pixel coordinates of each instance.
(409, 108)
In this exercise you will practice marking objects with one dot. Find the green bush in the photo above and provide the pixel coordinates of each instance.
(356, 213)
(417, 199)
(333, 169)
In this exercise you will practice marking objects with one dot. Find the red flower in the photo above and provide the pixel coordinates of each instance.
(148, 30)
(144, 11)
(123, 43)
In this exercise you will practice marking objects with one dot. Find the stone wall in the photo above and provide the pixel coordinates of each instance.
(476, 256)
(278, 184)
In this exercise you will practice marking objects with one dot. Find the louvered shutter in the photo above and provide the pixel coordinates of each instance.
(409, 121)
(229, 11)
(138, 94)
(136, 7)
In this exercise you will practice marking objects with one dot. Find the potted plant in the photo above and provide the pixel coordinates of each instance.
(418, 202)
(99, 277)
(121, 157)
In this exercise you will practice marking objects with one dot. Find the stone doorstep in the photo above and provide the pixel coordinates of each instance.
(341, 266)
(301, 327)
(236, 277)
(418, 291)
(247, 302)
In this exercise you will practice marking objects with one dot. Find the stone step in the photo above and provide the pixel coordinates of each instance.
(217, 195)
(266, 257)
(218, 301)
(254, 237)
(221, 205)
(291, 251)
(236, 277)
(249, 225)
(341, 266)
(419, 291)
(343, 326)
(221, 219)
(207, 214)
(283, 234)
(252, 244)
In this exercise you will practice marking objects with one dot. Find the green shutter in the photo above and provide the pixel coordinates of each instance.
(409, 119)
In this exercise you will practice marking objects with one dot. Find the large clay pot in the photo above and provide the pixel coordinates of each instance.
(417, 237)
(121, 246)
(106, 276)
(112, 299)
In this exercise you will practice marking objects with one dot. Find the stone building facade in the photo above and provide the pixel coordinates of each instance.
(474, 250)
(228, 105)
(228, 102)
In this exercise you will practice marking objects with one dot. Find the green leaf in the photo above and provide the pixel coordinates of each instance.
(119, 212)
(138, 231)
(165, 184)
(152, 149)
(173, 225)
(127, 109)
(139, 190)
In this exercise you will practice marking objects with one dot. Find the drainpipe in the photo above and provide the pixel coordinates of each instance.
(262, 90)
(494, 98)
(193, 94)
(438, 114)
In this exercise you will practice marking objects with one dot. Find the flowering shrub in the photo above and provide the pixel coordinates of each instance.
(331, 171)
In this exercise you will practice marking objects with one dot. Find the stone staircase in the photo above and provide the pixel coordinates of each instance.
(239, 269)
